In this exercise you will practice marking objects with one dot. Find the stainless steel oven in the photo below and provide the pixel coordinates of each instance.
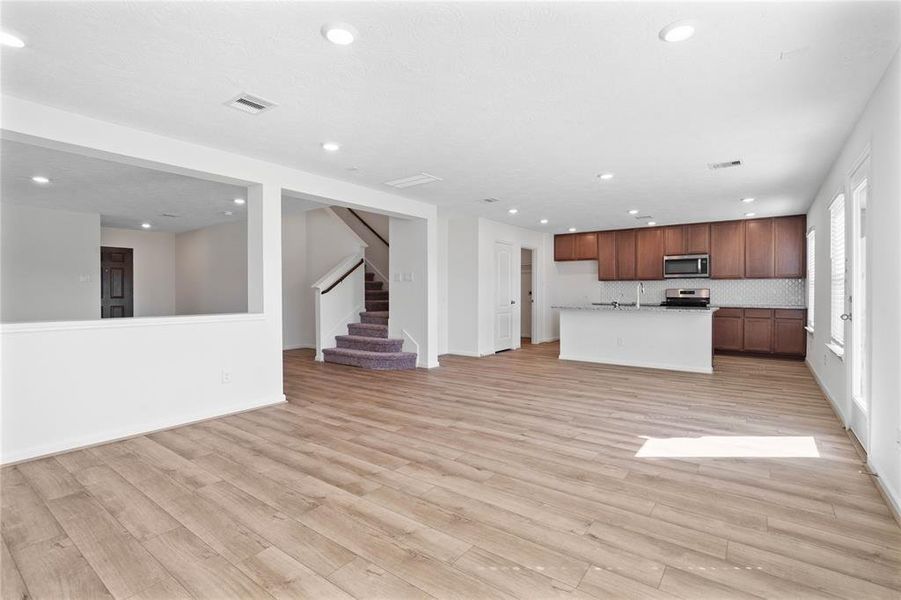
(686, 265)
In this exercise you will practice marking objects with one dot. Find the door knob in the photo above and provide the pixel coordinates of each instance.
(846, 317)
(512, 301)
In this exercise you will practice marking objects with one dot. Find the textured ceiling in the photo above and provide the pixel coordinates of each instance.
(124, 196)
(524, 102)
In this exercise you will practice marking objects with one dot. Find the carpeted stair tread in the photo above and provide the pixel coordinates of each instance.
(374, 317)
(370, 276)
(376, 305)
(372, 344)
(373, 330)
(379, 361)
(374, 285)
(377, 295)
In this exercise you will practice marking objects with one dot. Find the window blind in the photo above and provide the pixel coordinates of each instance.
(837, 261)
(811, 276)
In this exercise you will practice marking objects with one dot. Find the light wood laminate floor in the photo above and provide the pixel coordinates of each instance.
(512, 476)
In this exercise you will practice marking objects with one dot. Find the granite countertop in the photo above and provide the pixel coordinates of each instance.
(642, 308)
(770, 306)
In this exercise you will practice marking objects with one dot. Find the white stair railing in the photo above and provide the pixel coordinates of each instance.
(340, 297)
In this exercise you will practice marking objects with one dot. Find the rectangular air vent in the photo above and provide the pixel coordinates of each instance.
(489, 200)
(724, 165)
(250, 104)
(170, 215)
(421, 179)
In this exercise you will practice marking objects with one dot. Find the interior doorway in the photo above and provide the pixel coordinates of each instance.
(116, 282)
(857, 306)
(527, 299)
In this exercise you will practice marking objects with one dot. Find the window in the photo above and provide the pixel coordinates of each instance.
(811, 276)
(837, 269)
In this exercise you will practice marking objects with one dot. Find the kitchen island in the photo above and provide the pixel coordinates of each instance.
(656, 337)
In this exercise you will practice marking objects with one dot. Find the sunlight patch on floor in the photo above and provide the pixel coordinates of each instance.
(739, 446)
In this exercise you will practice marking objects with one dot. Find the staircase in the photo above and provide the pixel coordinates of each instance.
(367, 344)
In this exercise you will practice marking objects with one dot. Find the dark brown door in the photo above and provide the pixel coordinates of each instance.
(758, 330)
(586, 246)
(116, 282)
(649, 253)
(625, 254)
(564, 247)
(790, 241)
(759, 248)
(727, 250)
(674, 240)
(728, 329)
(697, 238)
(606, 256)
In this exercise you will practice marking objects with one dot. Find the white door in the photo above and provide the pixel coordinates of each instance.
(857, 305)
(504, 299)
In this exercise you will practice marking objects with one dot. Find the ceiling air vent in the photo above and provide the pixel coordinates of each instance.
(250, 104)
(724, 165)
(170, 215)
(421, 179)
(489, 200)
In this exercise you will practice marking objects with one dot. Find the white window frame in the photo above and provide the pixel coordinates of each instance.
(837, 269)
(811, 278)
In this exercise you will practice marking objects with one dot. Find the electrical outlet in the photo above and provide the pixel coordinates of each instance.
(226, 376)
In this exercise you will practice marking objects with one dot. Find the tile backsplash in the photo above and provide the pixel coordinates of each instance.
(723, 292)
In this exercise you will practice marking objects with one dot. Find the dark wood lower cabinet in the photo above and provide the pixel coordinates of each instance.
(760, 331)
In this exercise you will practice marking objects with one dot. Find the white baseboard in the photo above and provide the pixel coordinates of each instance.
(823, 388)
(310, 346)
(115, 436)
(626, 363)
(891, 498)
(464, 353)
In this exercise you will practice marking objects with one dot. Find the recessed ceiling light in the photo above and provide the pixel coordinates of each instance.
(340, 34)
(747, 200)
(8, 39)
(572, 229)
(651, 223)
(40, 179)
(513, 211)
(677, 32)
(634, 211)
(145, 225)
(240, 201)
(606, 176)
(543, 221)
(750, 214)
(331, 147)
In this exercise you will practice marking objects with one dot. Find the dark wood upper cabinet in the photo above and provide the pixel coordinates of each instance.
(674, 240)
(625, 254)
(759, 248)
(649, 245)
(727, 250)
(586, 246)
(789, 237)
(697, 238)
(606, 251)
(564, 247)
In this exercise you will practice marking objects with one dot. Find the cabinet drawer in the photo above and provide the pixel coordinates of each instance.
(758, 313)
(787, 313)
(727, 312)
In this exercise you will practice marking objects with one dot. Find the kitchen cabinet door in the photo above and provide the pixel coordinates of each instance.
(586, 246)
(697, 238)
(649, 253)
(625, 254)
(789, 337)
(758, 334)
(759, 249)
(606, 251)
(789, 235)
(728, 332)
(564, 247)
(674, 240)
(727, 250)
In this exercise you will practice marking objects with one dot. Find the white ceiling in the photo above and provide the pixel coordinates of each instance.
(125, 196)
(525, 102)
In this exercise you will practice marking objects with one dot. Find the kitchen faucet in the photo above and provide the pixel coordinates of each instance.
(639, 290)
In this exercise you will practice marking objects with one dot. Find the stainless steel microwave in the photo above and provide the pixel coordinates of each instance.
(686, 265)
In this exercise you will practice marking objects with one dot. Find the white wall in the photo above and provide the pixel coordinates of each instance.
(165, 371)
(461, 313)
(879, 128)
(154, 268)
(50, 264)
(377, 253)
(411, 288)
(313, 242)
(211, 270)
